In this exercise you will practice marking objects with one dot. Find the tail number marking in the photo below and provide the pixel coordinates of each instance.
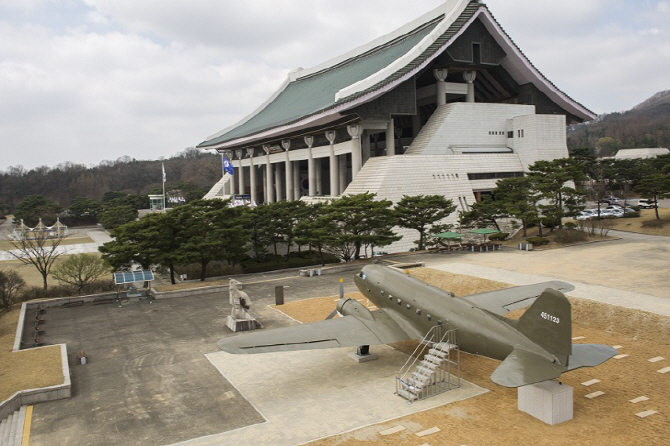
(549, 317)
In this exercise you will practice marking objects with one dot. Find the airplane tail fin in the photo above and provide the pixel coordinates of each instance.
(548, 323)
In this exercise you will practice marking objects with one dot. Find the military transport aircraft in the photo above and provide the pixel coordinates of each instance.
(535, 348)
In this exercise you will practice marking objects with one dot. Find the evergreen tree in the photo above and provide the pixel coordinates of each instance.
(358, 221)
(420, 212)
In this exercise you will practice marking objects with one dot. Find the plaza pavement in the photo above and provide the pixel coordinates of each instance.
(99, 237)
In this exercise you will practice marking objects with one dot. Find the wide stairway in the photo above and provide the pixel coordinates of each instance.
(436, 372)
(11, 428)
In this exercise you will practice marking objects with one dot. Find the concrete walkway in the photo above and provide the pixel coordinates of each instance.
(307, 395)
(607, 295)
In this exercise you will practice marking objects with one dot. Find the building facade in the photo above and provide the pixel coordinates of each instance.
(446, 104)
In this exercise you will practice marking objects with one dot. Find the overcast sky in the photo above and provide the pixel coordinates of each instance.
(92, 80)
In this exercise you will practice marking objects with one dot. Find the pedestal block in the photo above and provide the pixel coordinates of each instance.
(548, 401)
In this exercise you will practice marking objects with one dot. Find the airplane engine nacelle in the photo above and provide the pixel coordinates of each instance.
(352, 307)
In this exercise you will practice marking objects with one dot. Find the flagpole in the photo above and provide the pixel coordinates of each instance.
(163, 166)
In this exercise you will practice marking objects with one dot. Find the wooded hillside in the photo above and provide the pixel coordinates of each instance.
(191, 171)
(646, 125)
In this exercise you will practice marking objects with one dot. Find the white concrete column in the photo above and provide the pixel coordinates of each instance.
(297, 187)
(279, 181)
(342, 161)
(318, 165)
(355, 131)
(269, 180)
(231, 182)
(286, 145)
(333, 164)
(390, 138)
(441, 75)
(311, 166)
(240, 172)
(252, 177)
(469, 77)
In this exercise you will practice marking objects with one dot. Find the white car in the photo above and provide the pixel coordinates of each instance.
(587, 214)
(647, 204)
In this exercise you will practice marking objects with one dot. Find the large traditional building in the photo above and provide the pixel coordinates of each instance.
(446, 104)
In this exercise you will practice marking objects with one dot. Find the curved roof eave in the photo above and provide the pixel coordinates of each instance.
(516, 63)
(521, 69)
(451, 10)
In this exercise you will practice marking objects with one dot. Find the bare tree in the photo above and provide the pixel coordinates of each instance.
(38, 250)
(80, 270)
(10, 286)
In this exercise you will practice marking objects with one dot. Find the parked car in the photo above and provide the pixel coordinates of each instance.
(586, 214)
(647, 204)
(611, 213)
(611, 200)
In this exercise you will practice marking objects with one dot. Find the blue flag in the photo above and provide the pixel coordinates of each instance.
(227, 165)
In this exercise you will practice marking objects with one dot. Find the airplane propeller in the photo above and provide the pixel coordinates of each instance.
(334, 312)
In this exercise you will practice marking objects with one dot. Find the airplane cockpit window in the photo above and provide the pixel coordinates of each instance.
(362, 275)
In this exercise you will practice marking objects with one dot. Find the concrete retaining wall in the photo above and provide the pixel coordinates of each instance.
(32, 396)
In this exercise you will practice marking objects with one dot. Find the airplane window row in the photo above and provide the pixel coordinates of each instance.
(409, 307)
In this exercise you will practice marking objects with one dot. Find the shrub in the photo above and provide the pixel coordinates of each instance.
(570, 225)
(499, 236)
(537, 241)
(565, 236)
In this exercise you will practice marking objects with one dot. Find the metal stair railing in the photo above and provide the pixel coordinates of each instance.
(426, 374)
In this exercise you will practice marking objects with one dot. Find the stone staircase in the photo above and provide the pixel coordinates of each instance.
(11, 428)
(432, 127)
(438, 370)
(218, 190)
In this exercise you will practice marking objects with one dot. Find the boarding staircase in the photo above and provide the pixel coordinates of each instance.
(11, 428)
(429, 373)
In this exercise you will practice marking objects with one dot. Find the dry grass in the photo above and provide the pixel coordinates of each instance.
(635, 224)
(493, 418)
(30, 274)
(27, 369)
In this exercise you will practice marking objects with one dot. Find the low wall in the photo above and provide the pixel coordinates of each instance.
(32, 396)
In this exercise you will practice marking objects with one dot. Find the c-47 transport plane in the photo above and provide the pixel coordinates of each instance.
(535, 348)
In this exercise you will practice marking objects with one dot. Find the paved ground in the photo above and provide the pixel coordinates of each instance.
(98, 235)
(155, 377)
(148, 380)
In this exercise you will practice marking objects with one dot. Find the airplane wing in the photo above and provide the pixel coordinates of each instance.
(347, 331)
(503, 301)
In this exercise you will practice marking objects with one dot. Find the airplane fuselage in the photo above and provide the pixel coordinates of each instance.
(416, 307)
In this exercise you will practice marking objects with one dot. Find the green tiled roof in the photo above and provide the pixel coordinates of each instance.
(315, 93)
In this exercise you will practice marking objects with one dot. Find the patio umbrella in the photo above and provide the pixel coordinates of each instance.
(449, 236)
(484, 231)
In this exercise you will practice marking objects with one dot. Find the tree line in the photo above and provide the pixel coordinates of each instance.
(553, 190)
(205, 231)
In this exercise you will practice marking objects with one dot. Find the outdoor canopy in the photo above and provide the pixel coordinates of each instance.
(449, 234)
(484, 231)
(121, 278)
